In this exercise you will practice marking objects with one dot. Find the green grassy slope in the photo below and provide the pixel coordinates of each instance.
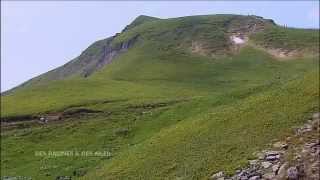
(158, 74)
(222, 137)
(168, 113)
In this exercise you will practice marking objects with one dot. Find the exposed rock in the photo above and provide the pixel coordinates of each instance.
(268, 176)
(273, 157)
(316, 116)
(266, 164)
(260, 155)
(269, 165)
(255, 178)
(272, 153)
(312, 144)
(281, 145)
(316, 124)
(282, 170)
(275, 168)
(63, 178)
(242, 175)
(238, 171)
(217, 175)
(292, 173)
(253, 162)
(244, 178)
(315, 167)
(304, 129)
(301, 170)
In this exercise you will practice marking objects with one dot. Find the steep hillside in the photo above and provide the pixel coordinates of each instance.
(206, 35)
(178, 98)
(90, 60)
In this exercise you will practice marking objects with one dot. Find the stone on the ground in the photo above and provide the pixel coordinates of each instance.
(281, 145)
(269, 165)
(254, 178)
(253, 162)
(268, 176)
(316, 116)
(315, 167)
(315, 124)
(217, 175)
(292, 173)
(301, 170)
(266, 164)
(63, 178)
(261, 156)
(272, 153)
(244, 178)
(273, 157)
(312, 144)
(275, 168)
(282, 170)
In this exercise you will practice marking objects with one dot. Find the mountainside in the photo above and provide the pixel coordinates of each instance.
(178, 98)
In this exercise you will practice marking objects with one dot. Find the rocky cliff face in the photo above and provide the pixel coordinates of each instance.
(108, 54)
(92, 59)
(246, 25)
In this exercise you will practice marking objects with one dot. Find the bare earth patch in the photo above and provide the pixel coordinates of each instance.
(198, 48)
(282, 54)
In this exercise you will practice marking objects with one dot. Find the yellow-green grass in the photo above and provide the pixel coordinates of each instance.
(190, 139)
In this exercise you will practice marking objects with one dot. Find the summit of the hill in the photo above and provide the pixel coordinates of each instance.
(213, 36)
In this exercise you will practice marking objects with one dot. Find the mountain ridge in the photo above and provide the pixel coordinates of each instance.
(102, 52)
(184, 99)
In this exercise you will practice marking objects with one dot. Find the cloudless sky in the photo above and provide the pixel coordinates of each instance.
(38, 36)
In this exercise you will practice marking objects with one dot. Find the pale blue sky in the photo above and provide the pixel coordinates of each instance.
(39, 36)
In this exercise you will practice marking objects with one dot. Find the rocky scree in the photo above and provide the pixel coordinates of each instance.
(288, 159)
